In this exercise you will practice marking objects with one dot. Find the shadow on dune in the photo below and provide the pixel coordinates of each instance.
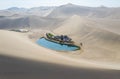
(16, 68)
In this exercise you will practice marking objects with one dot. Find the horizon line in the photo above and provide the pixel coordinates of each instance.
(61, 5)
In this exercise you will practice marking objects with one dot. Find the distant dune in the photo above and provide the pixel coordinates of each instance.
(28, 22)
(45, 17)
(71, 9)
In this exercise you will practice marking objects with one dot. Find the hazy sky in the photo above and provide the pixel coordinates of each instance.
(36, 3)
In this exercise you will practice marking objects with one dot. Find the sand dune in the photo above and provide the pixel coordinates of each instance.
(22, 58)
(15, 68)
(18, 45)
(96, 27)
(101, 42)
(28, 22)
(68, 10)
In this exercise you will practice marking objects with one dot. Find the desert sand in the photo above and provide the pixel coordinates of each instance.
(98, 28)
(101, 41)
(22, 58)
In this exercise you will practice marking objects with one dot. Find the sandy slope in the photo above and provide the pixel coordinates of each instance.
(18, 45)
(101, 41)
(22, 58)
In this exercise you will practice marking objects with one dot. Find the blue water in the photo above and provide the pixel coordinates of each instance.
(55, 46)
